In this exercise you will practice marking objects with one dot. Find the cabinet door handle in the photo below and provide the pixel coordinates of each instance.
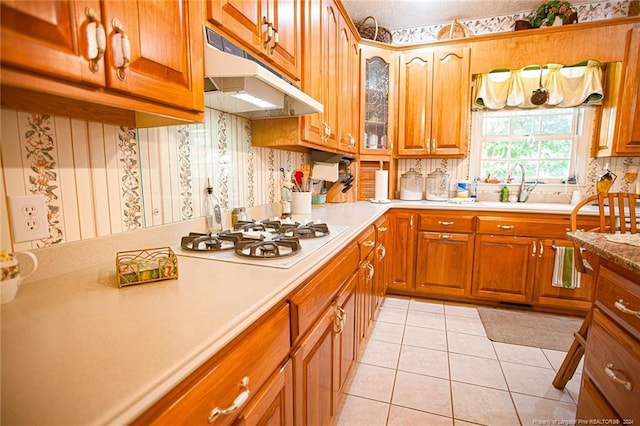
(541, 248)
(533, 248)
(506, 227)
(411, 222)
(371, 271)
(96, 40)
(242, 397)
(609, 371)
(121, 54)
(340, 319)
(369, 243)
(443, 223)
(268, 31)
(382, 252)
(446, 236)
(622, 308)
(276, 41)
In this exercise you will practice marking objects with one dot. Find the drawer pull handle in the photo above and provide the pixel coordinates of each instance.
(340, 318)
(382, 229)
(371, 271)
(446, 236)
(382, 252)
(369, 243)
(620, 306)
(506, 227)
(609, 370)
(242, 397)
(443, 223)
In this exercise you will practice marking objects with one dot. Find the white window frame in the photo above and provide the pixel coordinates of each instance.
(583, 134)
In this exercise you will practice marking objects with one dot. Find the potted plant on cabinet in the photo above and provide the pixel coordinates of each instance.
(553, 13)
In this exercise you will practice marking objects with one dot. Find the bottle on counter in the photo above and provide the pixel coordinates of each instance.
(605, 180)
(504, 194)
(211, 210)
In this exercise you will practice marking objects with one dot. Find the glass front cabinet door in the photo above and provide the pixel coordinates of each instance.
(378, 77)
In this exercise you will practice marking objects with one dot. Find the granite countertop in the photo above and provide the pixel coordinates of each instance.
(78, 350)
(625, 255)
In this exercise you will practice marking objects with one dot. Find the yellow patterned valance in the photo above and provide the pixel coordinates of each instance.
(566, 86)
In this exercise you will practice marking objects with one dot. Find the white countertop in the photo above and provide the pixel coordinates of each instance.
(78, 350)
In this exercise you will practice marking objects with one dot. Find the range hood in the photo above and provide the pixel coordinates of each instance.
(237, 83)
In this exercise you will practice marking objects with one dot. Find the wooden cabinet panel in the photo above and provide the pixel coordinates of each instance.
(273, 405)
(402, 259)
(330, 32)
(315, 379)
(444, 263)
(366, 242)
(364, 293)
(613, 364)
(241, 18)
(434, 102)
(522, 226)
(592, 405)
(346, 333)
(56, 43)
(317, 294)
(160, 67)
(502, 268)
(218, 381)
(287, 52)
(446, 221)
(349, 111)
(619, 297)
(381, 263)
(627, 141)
(545, 294)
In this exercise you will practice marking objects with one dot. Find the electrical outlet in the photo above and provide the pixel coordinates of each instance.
(28, 217)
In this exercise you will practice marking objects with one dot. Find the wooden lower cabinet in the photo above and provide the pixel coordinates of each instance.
(380, 263)
(346, 330)
(503, 268)
(402, 257)
(273, 405)
(365, 295)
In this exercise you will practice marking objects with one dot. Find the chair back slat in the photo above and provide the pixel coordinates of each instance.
(617, 212)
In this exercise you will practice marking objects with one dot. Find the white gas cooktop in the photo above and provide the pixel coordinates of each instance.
(307, 247)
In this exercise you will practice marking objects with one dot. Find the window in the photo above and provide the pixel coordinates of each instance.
(545, 141)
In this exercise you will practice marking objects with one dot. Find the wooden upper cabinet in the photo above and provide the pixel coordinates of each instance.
(159, 67)
(331, 29)
(627, 141)
(434, 96)
(348, 110)
(269, 28)
(53, 38)
(146, 55)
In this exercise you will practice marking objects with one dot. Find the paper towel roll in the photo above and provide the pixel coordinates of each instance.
(382, 185)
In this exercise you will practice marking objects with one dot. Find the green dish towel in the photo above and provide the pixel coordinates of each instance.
(564, 274)
(567, 267)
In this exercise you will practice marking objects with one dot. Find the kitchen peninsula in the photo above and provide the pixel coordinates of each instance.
(611, 367)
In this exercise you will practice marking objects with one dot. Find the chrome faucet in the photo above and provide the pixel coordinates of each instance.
(525, 190)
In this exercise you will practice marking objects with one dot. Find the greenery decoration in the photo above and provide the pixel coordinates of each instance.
(546, 13)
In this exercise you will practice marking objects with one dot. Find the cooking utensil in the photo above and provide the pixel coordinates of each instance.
(298, 177)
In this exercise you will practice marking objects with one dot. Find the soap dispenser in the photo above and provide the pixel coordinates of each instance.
(211, 210)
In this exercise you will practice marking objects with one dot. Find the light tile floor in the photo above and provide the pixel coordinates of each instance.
(430, 363)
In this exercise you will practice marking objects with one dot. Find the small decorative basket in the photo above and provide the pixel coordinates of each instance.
(144, 266)
(453, 30)
(372, 31)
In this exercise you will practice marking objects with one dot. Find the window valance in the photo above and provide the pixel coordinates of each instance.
(566, 86)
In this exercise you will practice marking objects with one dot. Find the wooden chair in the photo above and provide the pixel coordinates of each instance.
(617, 213)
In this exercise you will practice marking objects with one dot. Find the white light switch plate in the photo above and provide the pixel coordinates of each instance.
(28, 217)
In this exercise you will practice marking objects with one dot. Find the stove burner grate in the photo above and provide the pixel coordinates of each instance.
(268, 249)
(211, 242)
(309, 230)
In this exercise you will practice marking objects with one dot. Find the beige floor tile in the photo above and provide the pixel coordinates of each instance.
(533, 381)
(557, 357)
(422, 393)
(387, 332)
(533, 410)
(467, 325)
(358, 411)
(382, 354)
(401, 416)
(424, 361)
(482, 405)
(573, 387)
(461, 310)
(477, 371)
(470, 344)
(458, 422)
(398, 302)
(426, 320)
(425, 338)
(371, 381)
(527, 355)
(392, 315)
(425, 305)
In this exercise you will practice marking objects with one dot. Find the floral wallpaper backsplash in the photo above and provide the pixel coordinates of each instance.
(101, 179)
(593, 11)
